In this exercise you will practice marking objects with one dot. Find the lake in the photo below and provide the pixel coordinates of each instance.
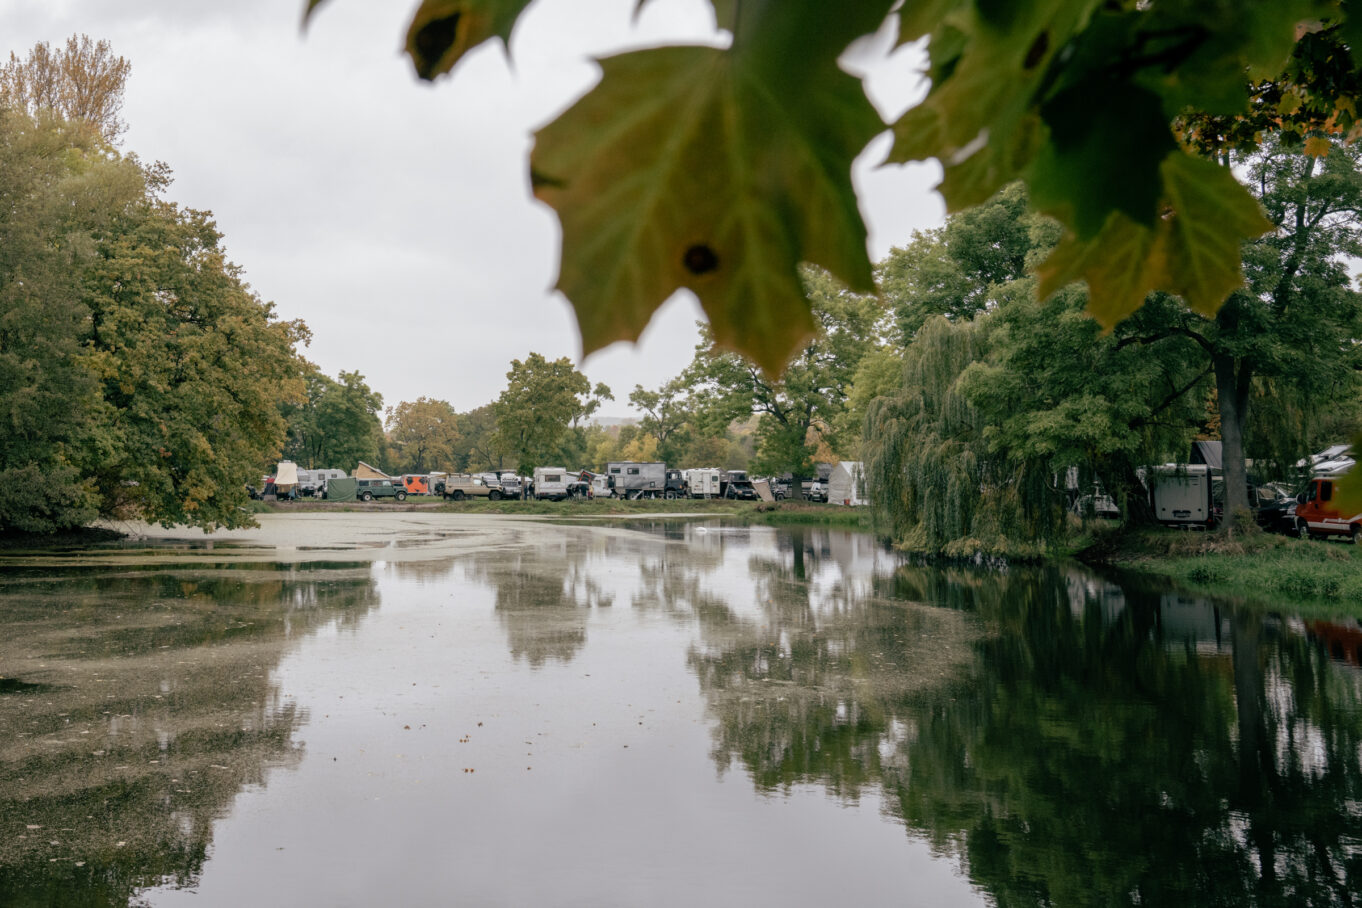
(422, 709)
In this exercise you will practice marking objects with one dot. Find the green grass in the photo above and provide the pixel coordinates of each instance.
(1258, 569)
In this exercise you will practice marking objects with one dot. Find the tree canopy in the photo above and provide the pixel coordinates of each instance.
(424, 434)
(139, 375)
(542, 401)
(337, 424)
(82, 82)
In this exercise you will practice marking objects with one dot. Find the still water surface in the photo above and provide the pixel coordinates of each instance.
(664, 714)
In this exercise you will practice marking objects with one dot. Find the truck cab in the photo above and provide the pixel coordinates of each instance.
(1318, 513)
(676, 486)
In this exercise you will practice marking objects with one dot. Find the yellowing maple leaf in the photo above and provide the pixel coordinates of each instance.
(692, 167)
(1192, 250)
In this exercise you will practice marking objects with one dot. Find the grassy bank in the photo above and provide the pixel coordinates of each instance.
(1259, 569)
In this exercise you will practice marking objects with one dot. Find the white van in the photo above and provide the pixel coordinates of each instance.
(551, 482)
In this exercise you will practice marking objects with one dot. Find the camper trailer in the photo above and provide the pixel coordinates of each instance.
(1182, 495)
(704, 482)
(313, 482)
(630, 479)
(551, 482)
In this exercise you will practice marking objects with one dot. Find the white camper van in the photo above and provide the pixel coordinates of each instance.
(551, 482)
(1182, 494)
(704, 482)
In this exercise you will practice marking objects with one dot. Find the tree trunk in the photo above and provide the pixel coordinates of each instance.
(1232, 382)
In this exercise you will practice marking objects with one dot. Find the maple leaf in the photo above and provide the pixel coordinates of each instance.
(979, 115)
(700, 168)
(443, 31)
(1192, 249)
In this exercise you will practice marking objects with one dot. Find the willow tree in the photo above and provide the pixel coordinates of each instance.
(938, 488)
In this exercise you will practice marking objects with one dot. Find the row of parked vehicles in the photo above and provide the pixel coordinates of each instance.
(1192, 495)
(621, 480)
(624, 480)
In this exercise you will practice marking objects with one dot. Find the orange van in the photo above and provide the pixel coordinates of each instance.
(416, 484)
(1318, 516)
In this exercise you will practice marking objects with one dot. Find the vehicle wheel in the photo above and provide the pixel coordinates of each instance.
(1302, 529)
(401, 496)
(458, 494)
(494, 495)
(366, 496)
(1357, 534)
(671, 495)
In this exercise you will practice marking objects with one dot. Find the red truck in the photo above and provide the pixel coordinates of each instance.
(1318, 514)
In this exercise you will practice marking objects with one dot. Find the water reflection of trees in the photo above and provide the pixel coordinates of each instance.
(544, 594)
(1095, 746)
(800, 689)
(145, 704)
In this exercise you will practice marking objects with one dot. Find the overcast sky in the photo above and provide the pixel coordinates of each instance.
(395, 216)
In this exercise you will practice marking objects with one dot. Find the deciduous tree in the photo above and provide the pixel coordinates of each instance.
(337, 424)
(542, 400)
(49, 401)
(811, 393)
(82, 82)
(193, 364)
(424, 434)
(666, 416)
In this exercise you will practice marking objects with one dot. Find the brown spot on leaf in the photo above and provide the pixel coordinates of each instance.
(432, 41)
(700, 259)
(1037, 51)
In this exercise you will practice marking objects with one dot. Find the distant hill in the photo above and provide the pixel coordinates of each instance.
(609, 422)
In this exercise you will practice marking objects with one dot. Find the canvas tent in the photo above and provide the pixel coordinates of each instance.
(846, 485)
(342, 489)
(364, 471)
(1208, 452)
(285, 478)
